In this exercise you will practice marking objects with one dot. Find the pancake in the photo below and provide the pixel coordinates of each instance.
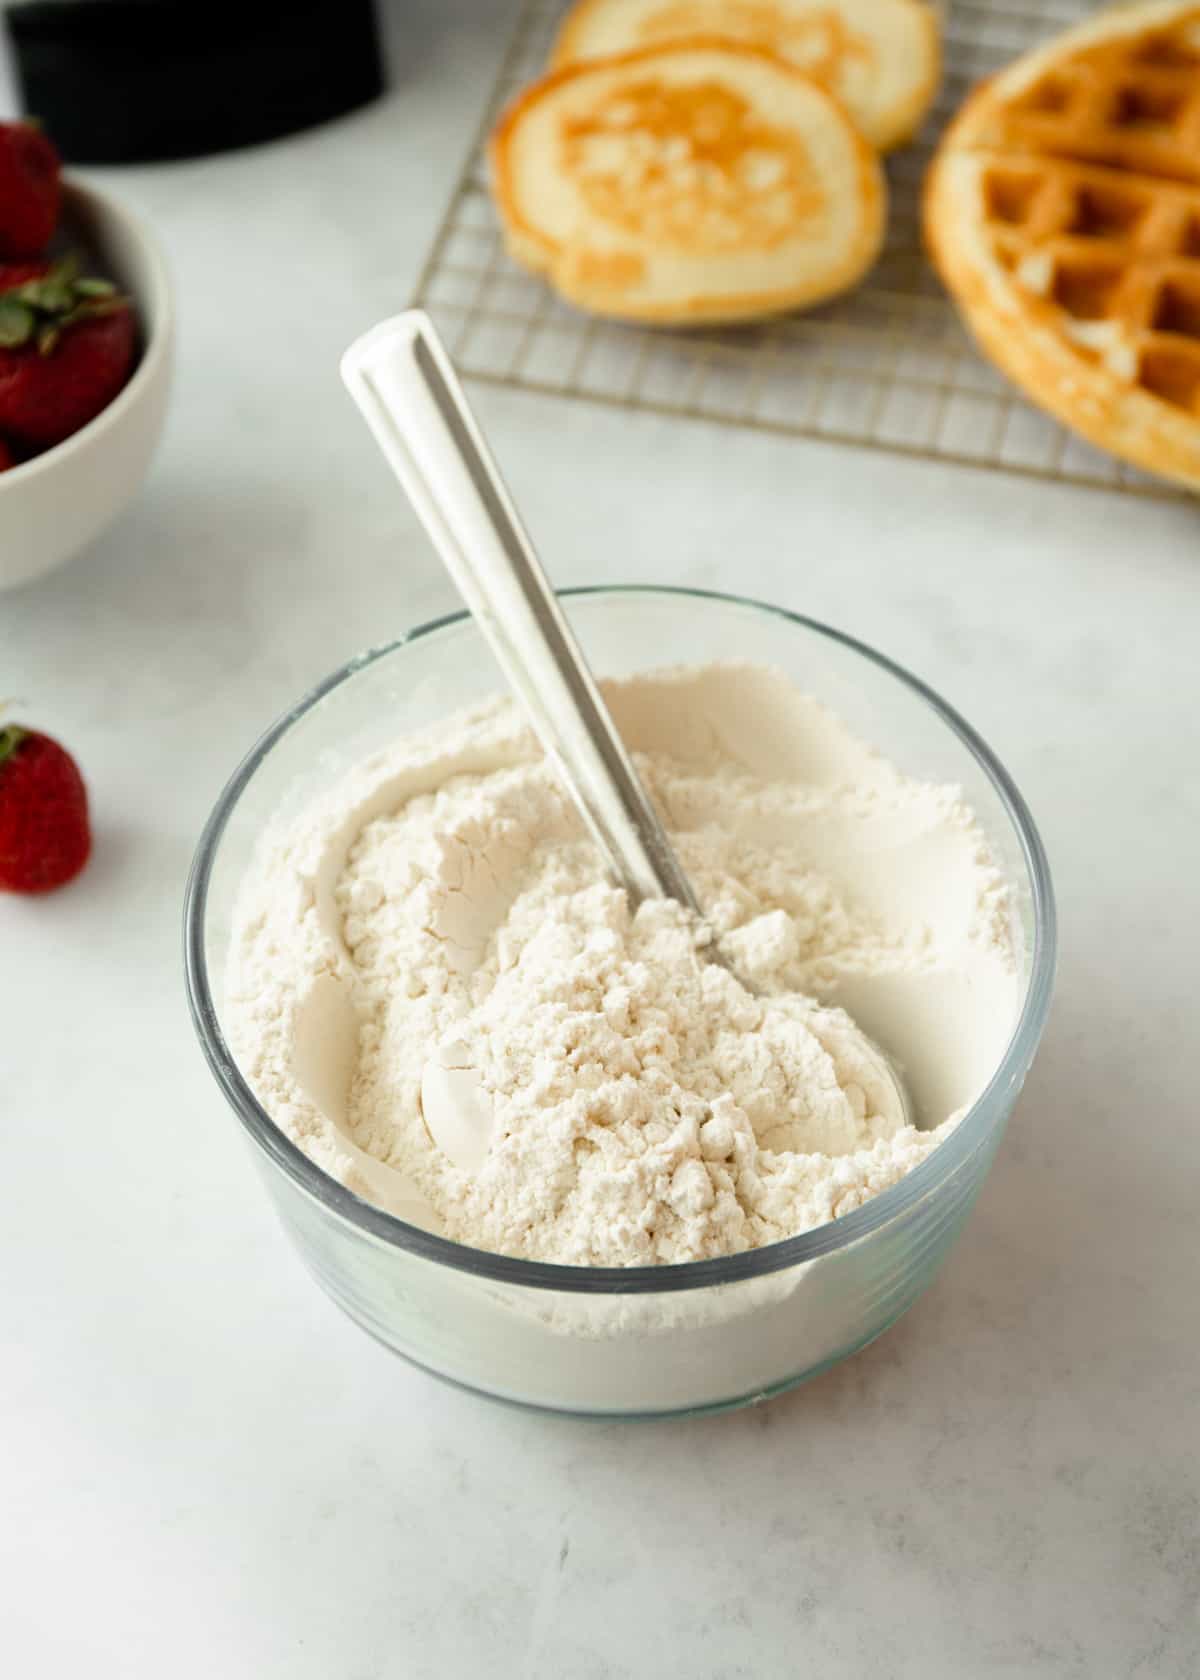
(881, 57)
(684, 184)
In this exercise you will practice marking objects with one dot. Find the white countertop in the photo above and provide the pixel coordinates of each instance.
(206, 1469)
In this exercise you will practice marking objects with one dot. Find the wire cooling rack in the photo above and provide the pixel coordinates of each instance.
(887, 367)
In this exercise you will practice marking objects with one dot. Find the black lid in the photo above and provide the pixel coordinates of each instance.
(131, 81)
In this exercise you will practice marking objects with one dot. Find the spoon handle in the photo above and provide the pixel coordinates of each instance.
(403, 381)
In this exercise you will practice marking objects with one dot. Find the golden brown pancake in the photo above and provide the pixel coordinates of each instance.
(881, 57)
(708, 181)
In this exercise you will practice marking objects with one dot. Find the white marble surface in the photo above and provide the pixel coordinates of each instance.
(206, 1470)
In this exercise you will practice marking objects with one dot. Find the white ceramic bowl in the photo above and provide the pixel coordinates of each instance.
(53, 506)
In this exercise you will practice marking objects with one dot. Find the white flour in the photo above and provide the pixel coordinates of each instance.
(436, 933)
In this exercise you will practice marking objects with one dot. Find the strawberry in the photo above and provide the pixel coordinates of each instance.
(66, 348)
(30, 190)
(44, 835)
(7, 458)
(16, 273)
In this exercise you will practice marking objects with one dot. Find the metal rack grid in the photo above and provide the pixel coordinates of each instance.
(889, 366)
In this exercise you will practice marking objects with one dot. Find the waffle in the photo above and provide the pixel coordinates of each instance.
(881, 57)
(1063, 212)
(705, 181)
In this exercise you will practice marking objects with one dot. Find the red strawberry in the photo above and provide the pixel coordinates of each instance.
(44, 835)
(16, 273)
(66, 348)
(30, 190)
(7, 458)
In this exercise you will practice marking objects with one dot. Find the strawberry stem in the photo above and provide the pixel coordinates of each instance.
(11, 736)
(34, 312)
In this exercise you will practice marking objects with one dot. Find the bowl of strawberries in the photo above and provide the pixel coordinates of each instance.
(85, 357)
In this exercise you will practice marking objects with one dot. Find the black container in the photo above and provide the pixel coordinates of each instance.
(131, 81)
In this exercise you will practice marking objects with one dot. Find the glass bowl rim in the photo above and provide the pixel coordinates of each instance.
(924, 1180)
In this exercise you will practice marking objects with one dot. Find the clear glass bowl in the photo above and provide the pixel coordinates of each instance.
(645, 1340)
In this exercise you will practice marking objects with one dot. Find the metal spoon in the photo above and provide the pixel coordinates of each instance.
(403, 381)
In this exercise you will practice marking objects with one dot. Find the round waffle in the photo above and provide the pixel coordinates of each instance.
(1063, 212)
(708, 181)
(881, 57)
